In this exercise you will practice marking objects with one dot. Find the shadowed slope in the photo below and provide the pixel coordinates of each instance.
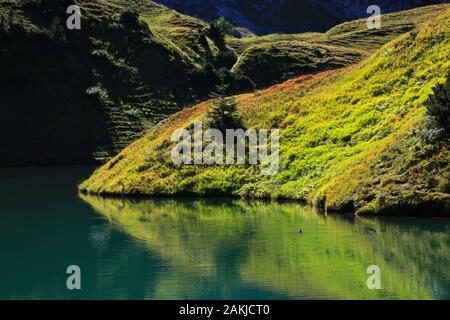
(72, 96)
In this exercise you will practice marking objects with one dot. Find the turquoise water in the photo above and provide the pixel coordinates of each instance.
(204, 249)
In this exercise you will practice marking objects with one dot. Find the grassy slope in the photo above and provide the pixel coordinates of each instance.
(147, 73)
(272, 63)
(177, 30)
(349, 137)
(285, 56)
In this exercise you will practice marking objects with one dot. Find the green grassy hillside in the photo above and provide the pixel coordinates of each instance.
(71, 96)
(351, 139)
(271, 63)
(278, 57)
(75, 96)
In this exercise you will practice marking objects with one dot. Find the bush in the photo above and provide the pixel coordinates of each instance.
(432, 135)
(99, 94)
(217, 31)
(438, 110)
(223, 26)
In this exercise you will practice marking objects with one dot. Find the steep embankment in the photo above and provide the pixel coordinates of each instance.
(69, 96)
(74, 96)
(350, 139)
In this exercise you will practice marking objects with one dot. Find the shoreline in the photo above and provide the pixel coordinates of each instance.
(402, 211)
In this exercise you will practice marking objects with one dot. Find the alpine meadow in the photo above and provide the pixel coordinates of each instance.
(222, 155)
(358, 138)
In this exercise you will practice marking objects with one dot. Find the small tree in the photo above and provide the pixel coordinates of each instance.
(217, 31)
(223, 26)
(222, 115)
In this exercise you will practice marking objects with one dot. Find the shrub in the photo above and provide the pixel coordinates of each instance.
(98, 93)
(217, 31)
(222, 25)
(438, 110)
(432, 135)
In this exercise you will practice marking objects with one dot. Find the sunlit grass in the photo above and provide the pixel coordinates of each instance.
(349, 137)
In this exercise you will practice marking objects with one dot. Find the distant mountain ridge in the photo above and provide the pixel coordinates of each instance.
(288, 16)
